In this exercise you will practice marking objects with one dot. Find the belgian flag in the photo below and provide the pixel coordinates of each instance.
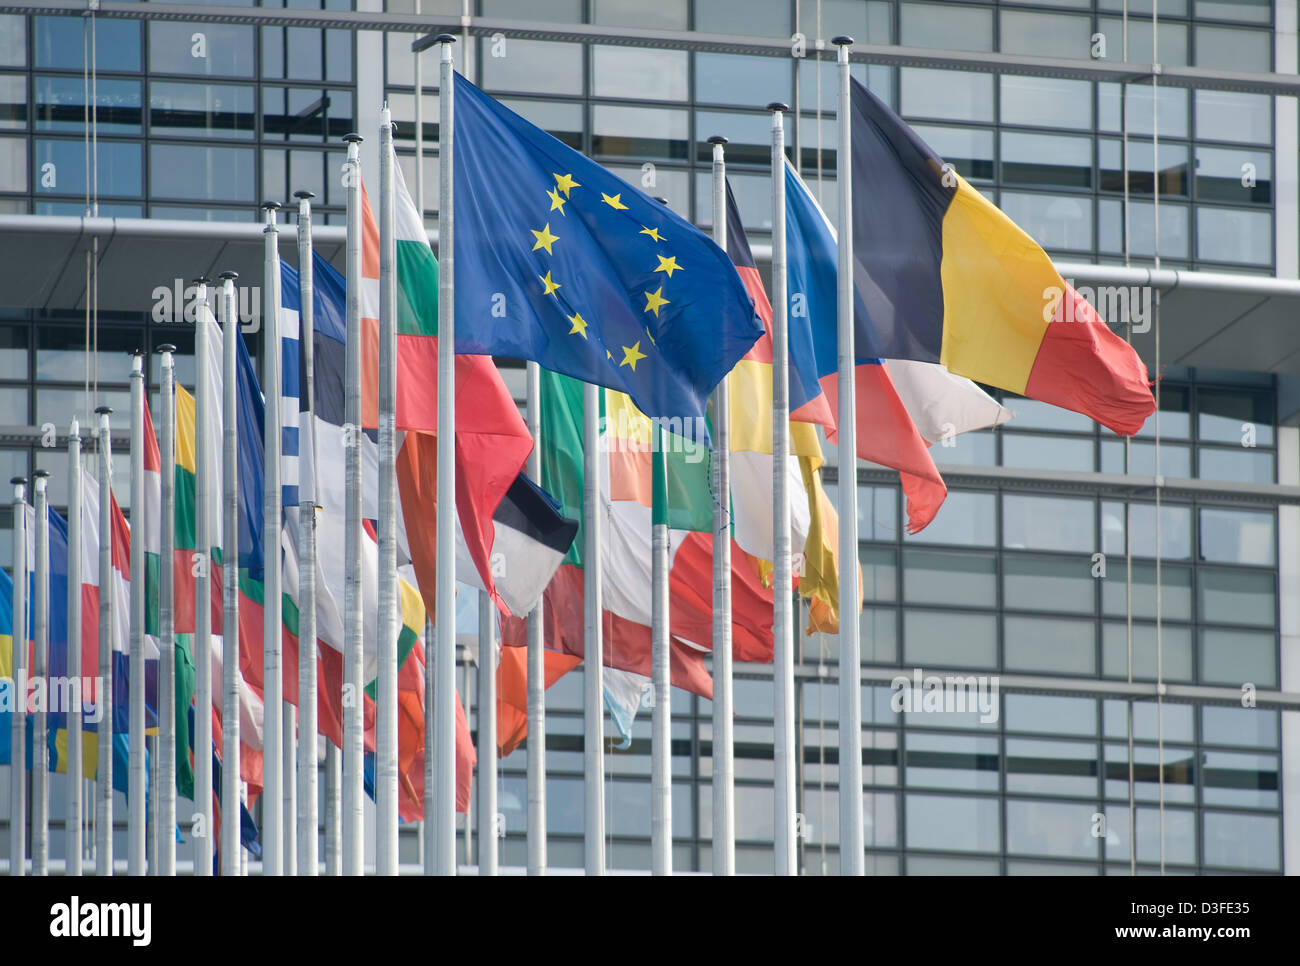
(946, 277)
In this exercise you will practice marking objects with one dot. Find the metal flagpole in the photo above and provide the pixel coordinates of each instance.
(40, 671)
(593, 743)
(202, 566)
(72, 832)
(333, 807)
(165, 849)
(724, 786)
(443, 807)
(18, 733)
(852, 860)
(290, 749)
(386, 645)
(418, 80)
(487, 736)
(230, 752)
(353, 793)
(272, 681)
(307, 717)
(536, 744)
(104, 694)
(782, 607)
(661, 779)
(136, 827)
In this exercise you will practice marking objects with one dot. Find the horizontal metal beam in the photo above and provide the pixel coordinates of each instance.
(1189, 77)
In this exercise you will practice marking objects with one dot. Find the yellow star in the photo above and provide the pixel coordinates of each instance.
(565, 183)
(632, 355)
(668, 265)
(550, 286)
(654, 300)
(613, 201)
(579, 325)
(652, 232)
(545, 239)
(556, 201)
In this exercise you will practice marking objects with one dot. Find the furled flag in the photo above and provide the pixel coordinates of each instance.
(942, 275)
(564, 263)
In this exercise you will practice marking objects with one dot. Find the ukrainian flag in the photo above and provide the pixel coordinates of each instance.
(942, 275)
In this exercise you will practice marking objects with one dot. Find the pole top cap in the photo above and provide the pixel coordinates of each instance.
(662, 200)
(229, 276)
(778, 106)
(18, 480)
(353, 138)
(202, 280)
(304, 194)
(41, 474)
(445, 39)
(270, 206)
(137, 353)
(843, 40)
(165, 348)
(717, 139)
(104, 410)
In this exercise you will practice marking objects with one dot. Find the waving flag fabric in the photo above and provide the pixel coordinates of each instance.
(941, 275)
(564, 263)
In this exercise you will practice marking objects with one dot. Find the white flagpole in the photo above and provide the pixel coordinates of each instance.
(165, 850)
(443, 810)
(536, 745)
(307, 712)
(18, 733)
(333, 809)
(724, 786)
(203, 467)
(272, 681)
(852, 860)
(386, 663)
(104, 696)
(783, 614)
(593, 742)
(72, 832)
(353, 818)
(136, 825)
(487, 736)
(40, 671)
(231, 783)
(661, 779)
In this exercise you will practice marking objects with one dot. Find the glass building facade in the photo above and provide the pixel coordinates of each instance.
(1053, 540)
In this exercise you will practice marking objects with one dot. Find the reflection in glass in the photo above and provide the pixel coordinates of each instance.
(1048, 523)
(1238, 597)
(1234, 235)
(220, 50)
(1048, 583)
(639, 72)
(191, 171)
(1232, 657)
(965, 824)
(1051, 828)
(201, 110)
(1238, 536)
(61, 105)
(947, 95)
(639, 132)
(1046, 102)
(1175, 647)
(1054, 645)
(117, 165)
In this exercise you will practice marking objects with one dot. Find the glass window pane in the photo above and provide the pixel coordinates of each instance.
(1237, 841)
(945, 26)
(1052, 767)
(1170, 834)
(211, 49)
(13, 40)
(1050, 714)
(966, 824)
(1048, 523)
(1032, 414)
(949, 639)
(1237, 597)
(1050, 645)
(58, 406)
(732, 79)
(13, 101)
(1174, 177)
(1240, 780)
(201, 110)
(1175, 460)
(1238, 657)
(118, 166)
(1048, 583)
(1046, 102)
(941, 577)
(1234, 235)
(1255, 727)
(1238, 536)
(749, 139)
(1252, 11)
(968, 449)
(60, 42)
(1056, 222)
(1175, 591)
(534, 67)
(61, 105)
(13, 406)
(212, 173)
(1051, 828)
(639, 72)
(1175, 647)
(639, 132)
(1172, 103)
(1175, 415)
(13, 164)
(1175, 241)
(1229, 48)
(1053, 160)
(1046, 34)
(1175, 530)
(968, 149)
(1240, 418)
(1148, 717)
(1048, 452)
(946, 95)
(1173, 40)
(966, 518)
(1233, 116)
(663, 15)
(1233, 175)
(13, 352)
(879, 573)
(761, 18)
(968, 762)
(338, 55)
(303, 45)
(1179, 773)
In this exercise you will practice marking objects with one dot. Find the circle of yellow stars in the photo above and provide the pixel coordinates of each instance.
(544, 239)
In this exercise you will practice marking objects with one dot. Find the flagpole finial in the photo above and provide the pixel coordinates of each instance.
(104, 410)
(778, 106)
(662, 200)
(304, 195)
(445, 39)
(18, 480)
(843, 40)
(228, 276)
(201, 280)
(353, 138)
(165, 349)
(41, 475)
(717, 139)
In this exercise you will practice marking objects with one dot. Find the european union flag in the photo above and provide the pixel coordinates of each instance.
(559, 261)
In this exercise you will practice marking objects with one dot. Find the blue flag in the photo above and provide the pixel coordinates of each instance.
(561, 262)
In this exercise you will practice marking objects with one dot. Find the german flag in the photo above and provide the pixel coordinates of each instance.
(946, 277)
